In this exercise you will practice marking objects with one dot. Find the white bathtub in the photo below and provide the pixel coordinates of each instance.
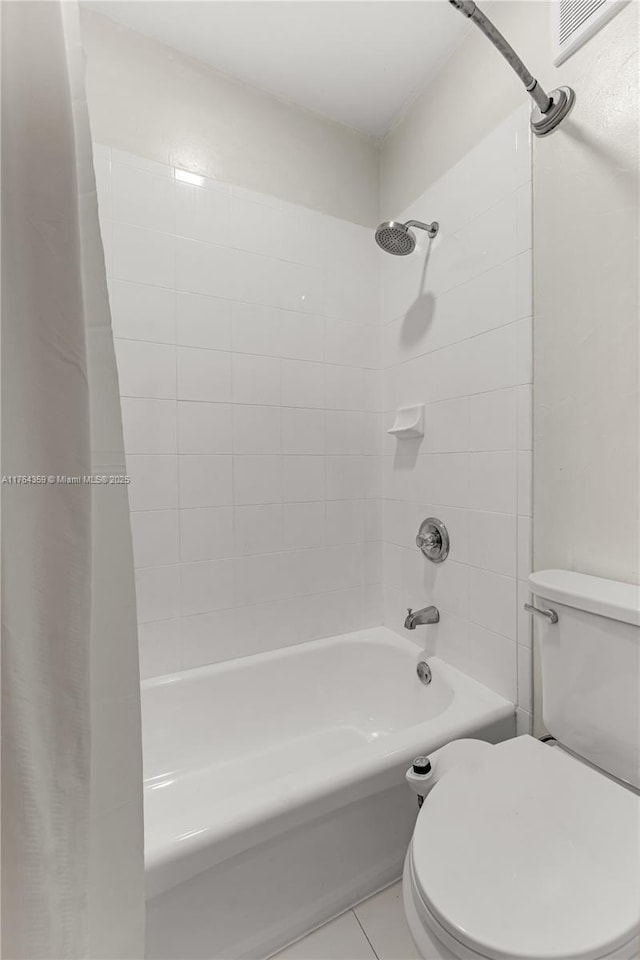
(274, 786)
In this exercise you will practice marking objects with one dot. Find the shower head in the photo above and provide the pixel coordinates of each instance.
(396, 238)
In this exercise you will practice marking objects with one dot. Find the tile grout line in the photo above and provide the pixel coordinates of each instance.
(365, 933)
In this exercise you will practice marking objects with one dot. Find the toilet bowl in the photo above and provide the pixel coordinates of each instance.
(528, 851)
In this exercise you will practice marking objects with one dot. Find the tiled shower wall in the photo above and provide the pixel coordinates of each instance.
(247, 339)
(456, 336)
(252, 380)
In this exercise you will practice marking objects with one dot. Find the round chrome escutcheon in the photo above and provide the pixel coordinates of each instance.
(433, 540)
(424, 672)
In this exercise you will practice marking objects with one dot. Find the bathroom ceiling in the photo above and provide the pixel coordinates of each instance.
(356, 61)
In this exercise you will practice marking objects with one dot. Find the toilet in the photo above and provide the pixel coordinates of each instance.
(530, 850)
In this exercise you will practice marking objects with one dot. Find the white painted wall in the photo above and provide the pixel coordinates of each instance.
(587, 356)
(457, 337)
(152, 101)
(247, 339)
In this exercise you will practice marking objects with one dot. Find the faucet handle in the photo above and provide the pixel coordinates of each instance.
(409, 610)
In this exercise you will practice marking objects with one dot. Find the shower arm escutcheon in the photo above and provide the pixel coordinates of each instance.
(550, 109)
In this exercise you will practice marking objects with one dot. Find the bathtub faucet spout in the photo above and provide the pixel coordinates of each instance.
(420, 617)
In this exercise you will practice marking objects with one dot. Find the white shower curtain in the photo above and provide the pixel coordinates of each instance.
(72, 857)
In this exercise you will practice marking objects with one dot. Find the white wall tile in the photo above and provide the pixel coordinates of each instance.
(146, 369)
(345, 521)
(492, 482)
(525, 680)
(303, 431)
(492, 601)
(257, 479)
(524, 285)
(264, 578)
(524, 348)
(159, 647)
(302, 384)
(142, 256)
(150, 426)
(257, 329)
(204, 428)
(205, 481)
(302, 336)
(207, 585)
(276, 305)
(154, 482)
(344, 431)
(493, 660)
(156, 537)
(255, 379)
(203, 321)
(450, 587)
(203, 374)
(525, 418)
(158, 592)
(447, 426)
(493, 420)
(206, 533)
(525, 552)
(256, 429)
(207, 638)
(525, 504)
(524, 225)
(344, 388)
(203, 213)
(449, 478)
(207, 269)
(492, 542)
(346, 477)
(242, 367)
(303, 524)
(142, 312)
(351, 344)
(258, 529)
(142, 198)
(302, 478)
(255, 227)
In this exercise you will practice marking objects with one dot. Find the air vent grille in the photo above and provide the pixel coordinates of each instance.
(575, 21)
(573, 13)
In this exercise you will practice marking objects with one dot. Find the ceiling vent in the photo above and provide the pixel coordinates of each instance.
(573, 22)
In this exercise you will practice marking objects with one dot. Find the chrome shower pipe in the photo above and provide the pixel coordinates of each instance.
(551, 108)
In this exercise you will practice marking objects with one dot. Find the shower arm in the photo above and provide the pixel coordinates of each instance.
(431, 228)
(551, 109)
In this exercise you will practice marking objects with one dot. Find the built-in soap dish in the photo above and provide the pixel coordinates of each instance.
(409, 423)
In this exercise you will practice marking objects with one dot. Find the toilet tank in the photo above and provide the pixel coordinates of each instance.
(590, 662)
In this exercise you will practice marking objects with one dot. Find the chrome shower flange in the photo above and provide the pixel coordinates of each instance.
(433, 540)
(563, 99)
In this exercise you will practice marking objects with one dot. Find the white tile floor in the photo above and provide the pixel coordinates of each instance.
(374, 929)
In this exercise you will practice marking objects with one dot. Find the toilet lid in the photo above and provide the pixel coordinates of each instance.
(531, 855)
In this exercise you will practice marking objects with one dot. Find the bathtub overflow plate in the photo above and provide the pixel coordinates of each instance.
(424, 672)
(433, 540)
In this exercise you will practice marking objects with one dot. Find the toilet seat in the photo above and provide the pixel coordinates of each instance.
(530, 855)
